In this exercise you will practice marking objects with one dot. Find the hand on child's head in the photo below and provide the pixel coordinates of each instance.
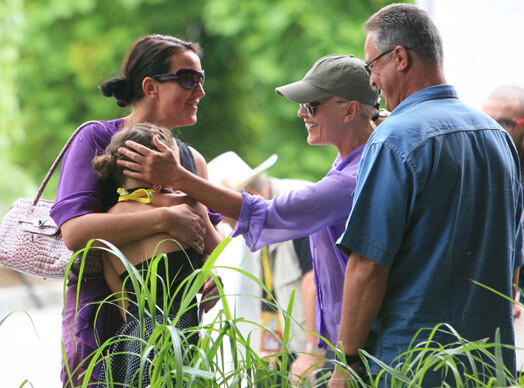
(174, 147)
(176, 150)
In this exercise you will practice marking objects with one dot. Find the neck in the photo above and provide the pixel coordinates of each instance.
(131, 183)
(423, 76)
(147, 113)
(357, 135)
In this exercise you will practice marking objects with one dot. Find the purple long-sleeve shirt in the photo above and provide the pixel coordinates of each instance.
(319, 211)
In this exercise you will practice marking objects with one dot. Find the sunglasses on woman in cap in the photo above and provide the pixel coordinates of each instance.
(311, 107)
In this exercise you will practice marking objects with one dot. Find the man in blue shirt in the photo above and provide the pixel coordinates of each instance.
(436, 206)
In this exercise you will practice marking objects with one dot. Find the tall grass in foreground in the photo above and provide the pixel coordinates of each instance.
(224, 357)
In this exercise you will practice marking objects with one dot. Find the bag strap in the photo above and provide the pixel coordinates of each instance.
(60, 156)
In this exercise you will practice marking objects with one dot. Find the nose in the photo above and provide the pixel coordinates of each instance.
(372, 82)
(199, 91)
(301, 112)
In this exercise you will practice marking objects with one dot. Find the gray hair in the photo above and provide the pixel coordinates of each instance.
(373, 114)
(409, 26)
(368, 111)
(510, 93)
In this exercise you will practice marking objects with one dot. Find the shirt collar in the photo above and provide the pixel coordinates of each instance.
(339, 164)
(431, 93)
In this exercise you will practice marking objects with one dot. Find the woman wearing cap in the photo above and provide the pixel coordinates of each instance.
(337, 105)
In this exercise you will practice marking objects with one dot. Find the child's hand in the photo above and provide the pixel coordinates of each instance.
(158, 187)
(210, 294)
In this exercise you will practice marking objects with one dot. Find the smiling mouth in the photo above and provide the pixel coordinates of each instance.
(310, 125)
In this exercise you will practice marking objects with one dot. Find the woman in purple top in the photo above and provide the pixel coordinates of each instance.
(336, 104)
(82, 198)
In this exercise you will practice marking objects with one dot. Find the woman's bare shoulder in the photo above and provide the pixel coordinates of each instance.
(200, 163)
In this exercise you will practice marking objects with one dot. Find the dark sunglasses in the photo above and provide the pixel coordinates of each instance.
(189, 79)
(509, 125)
(311, 107)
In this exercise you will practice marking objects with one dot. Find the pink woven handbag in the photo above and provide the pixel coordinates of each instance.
(31, 242)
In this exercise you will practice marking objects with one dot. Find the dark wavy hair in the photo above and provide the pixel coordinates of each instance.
(147, 56)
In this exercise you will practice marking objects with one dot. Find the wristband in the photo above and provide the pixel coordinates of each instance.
(349, 358)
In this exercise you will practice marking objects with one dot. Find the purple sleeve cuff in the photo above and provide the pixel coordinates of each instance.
(251, 220)
(214, 217)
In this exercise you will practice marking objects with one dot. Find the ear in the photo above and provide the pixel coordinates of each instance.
(352, 109)
(150, 87)
(402, 58)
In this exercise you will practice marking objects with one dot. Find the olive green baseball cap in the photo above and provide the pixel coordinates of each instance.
(340, 75)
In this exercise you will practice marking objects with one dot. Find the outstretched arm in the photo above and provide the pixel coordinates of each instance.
(161, 167)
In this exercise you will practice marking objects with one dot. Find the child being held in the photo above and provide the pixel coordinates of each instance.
(178, 261)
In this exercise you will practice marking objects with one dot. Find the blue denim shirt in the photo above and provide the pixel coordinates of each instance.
(438, 202)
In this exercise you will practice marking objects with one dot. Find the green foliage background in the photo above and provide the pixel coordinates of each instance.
(54, 54)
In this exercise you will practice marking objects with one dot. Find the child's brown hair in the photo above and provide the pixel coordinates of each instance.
(106, 166)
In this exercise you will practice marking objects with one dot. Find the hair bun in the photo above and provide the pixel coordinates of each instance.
(104, 166)
(119, 88)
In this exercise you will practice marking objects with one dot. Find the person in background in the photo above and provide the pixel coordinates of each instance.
(289, 263)
(437, 205)
(506, 106)
(162, 83)
(337, 105)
